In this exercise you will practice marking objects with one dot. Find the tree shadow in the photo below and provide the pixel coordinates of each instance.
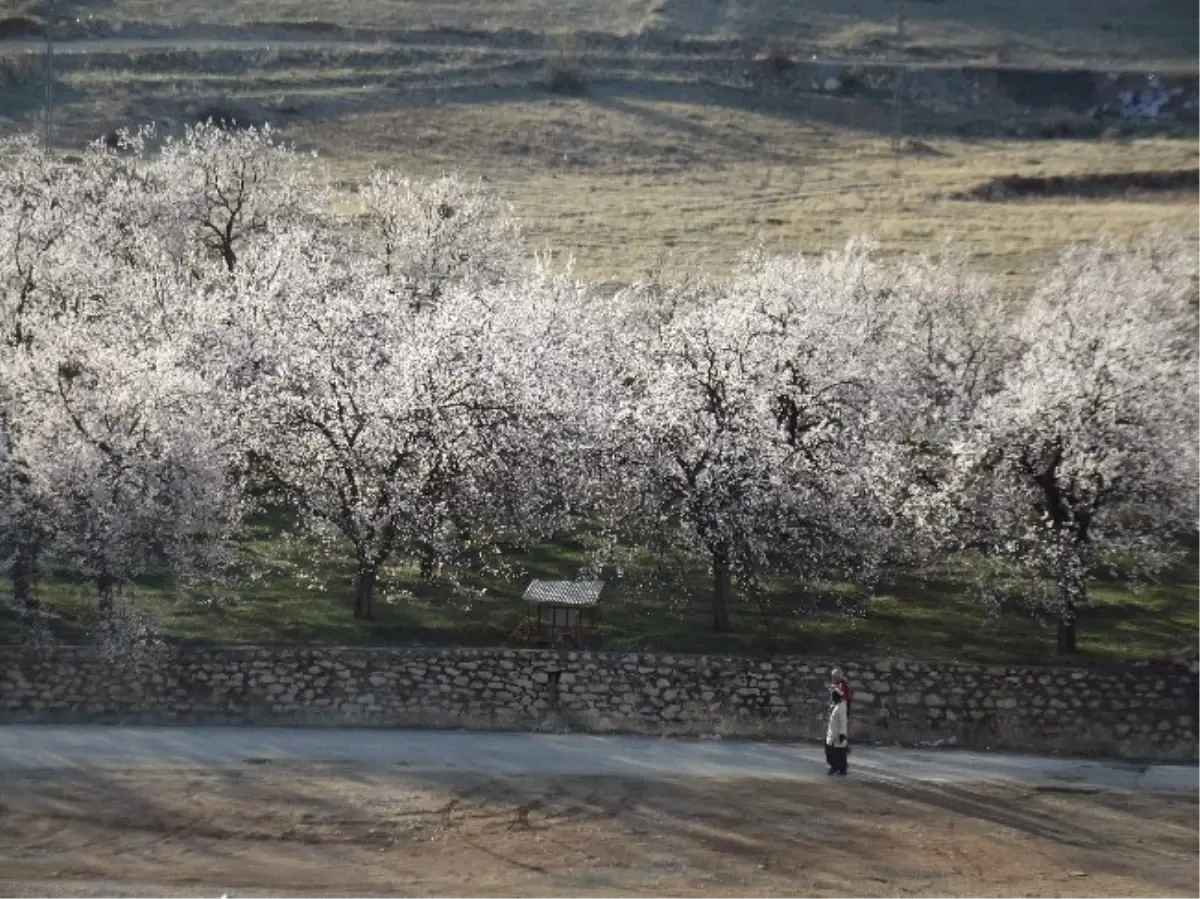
(720, 827)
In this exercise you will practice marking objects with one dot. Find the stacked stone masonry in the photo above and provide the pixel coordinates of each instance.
(1144, 711)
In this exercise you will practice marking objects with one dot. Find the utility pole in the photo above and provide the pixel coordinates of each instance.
(898, 96)
(898, 112)
(51, 17)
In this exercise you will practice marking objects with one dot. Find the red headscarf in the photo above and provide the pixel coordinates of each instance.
(842, 686)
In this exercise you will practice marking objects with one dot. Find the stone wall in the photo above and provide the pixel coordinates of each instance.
(1137, 711)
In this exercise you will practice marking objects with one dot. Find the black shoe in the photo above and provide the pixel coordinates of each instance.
(831, 771)
(842, 773)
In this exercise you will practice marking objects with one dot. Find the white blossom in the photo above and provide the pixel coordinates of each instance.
(186, 323)
(1086, 456)
(394, 428)
(427, 235)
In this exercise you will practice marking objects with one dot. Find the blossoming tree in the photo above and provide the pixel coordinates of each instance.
(1086, 456)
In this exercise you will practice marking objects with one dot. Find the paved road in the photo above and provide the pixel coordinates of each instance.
(39, 747)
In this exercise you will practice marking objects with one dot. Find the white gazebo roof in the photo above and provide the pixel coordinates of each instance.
(564, 593)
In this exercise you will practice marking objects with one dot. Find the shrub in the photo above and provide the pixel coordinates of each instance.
(564, 71)
(777, 54)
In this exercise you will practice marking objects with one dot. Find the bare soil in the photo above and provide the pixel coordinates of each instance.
(336, 830)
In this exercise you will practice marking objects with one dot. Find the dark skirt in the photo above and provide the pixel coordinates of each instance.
(837, 757)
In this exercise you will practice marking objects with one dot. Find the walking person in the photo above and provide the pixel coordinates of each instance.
(837, 739)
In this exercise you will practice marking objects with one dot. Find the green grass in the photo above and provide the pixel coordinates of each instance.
(660, 607)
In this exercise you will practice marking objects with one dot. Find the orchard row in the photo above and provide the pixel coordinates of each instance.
(189, 331)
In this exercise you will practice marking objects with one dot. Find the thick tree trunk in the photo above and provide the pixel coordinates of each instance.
(364, 591)
(24, 571)
(722, 580)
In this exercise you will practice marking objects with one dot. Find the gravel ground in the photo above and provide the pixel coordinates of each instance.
(136, 811)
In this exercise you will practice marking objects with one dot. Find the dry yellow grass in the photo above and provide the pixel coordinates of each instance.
(616, 185)
(675, 161)
(624, 182)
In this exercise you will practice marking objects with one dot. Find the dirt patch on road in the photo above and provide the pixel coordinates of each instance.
(319, 830)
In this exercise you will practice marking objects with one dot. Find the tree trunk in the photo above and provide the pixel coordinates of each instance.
(1073, 597)
(227, 253)
(107, 587)
(24, 570)
(364, 591)
(427, 565)
(722, 579)
(1066, 634)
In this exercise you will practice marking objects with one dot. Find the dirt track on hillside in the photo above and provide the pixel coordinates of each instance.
(305, 829)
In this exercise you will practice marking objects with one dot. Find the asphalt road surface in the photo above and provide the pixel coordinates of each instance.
(29, 747)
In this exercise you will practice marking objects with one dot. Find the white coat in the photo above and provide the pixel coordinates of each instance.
(836, 734)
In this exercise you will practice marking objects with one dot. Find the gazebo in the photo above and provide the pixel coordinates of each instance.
(560, 614)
